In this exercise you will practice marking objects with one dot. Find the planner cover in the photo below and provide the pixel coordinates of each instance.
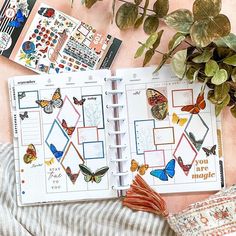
(85, 135)
(45, 40)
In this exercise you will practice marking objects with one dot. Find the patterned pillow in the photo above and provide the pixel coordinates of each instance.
(214, 216)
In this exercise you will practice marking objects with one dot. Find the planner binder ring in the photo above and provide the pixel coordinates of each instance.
(120, 173)
(114, 92)
(115, 105)
(123, 187)
(117, 132)
(113, 79)
(119, 160)
(118, 146)
(116, 119)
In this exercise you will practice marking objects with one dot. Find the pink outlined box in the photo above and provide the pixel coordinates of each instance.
(184, 153)
(155, 159)
(87, 134)
(182, 97)
(165, 135)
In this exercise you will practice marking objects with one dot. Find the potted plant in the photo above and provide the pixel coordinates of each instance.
(203, 48)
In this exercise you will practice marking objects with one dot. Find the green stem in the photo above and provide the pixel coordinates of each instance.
(138, 6)
(150, 48)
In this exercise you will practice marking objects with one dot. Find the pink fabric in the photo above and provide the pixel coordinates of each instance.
(100, 17)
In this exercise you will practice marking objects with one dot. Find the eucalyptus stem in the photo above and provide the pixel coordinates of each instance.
(138, 6)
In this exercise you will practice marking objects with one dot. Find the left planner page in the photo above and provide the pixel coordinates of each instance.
(45, 40)
(60, 137)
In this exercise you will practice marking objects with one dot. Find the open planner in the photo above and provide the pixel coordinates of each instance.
(85, 135)
(46, 40)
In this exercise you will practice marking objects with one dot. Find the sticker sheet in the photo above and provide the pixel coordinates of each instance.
(60, 129)
(172, 132)
(53, 42)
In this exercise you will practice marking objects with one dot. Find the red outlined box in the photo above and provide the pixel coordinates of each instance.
(87, 134)
(155, 159)
(182, 97)
(164, 135)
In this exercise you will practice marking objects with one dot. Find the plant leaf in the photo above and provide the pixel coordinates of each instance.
(176, 40)
(211, 68)
(220, 77)
(227, 41)
(211, 97)
(208, 30)
(138, 2)
(181, 20)
(220, 92)
(151, 24)
(89, 3)
(203, 9)
(151, 40)
(230, 60)
(126, 15)
(204, 57)
(139, 21)
(178, 63)
(233, 111)
(161, 8)
(192, 74)
(233, 75)
(158, 40)
(139, 51)
(165, 57)
(148, 56)
(220, 107)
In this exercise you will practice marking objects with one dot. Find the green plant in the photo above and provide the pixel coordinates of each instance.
(208, 48)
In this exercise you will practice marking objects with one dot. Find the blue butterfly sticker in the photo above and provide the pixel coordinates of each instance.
(19, 19)
(56, 153)
(163, 174)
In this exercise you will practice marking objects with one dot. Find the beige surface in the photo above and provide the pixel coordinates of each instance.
(99, 16)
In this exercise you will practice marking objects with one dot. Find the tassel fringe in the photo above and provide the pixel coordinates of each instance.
(141, 197)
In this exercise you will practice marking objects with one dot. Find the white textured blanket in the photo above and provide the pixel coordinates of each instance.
(83, 218)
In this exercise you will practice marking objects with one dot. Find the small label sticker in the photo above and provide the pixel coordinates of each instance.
(5, 41)
(10, 13)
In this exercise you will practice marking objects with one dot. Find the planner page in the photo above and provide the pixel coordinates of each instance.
(172, 132)
(60, 136)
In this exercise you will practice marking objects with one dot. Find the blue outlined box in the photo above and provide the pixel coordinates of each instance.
(144, 135)
(93, 112)
(93, 150)
(57, 137)
(27, 99)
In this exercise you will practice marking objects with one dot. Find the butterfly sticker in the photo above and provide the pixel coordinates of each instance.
(30, 154)
(184, 167)
(163, 174)
(48, 105)
(196, 143)
(46, 12)
(136, 167)
(177, 120)
(19, 20)
(93, 176)
(56, 153)
(69, 130)
(211, 151)
(50, 162)
(158, 102)
(73, 177)
(24, 115)
(21, 95)
(200, 105)
(79, 102)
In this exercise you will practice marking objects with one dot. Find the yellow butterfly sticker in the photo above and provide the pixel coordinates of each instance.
(177, 120)
(50, 162)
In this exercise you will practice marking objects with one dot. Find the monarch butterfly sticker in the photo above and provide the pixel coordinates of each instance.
(69, 130)
(200, 105)
(30, 154)
(49, 105)
(90, 176)
(140, 168)
(158, 102)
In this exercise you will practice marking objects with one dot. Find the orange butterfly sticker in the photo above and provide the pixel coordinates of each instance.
(200, 105)
(136, 167)
(69, 130)
(30, 154)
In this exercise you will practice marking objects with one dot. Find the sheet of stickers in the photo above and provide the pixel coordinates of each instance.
(61, 138)
(172, 130)
(54, 42)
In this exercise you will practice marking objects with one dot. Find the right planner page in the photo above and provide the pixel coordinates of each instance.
(171, 132)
